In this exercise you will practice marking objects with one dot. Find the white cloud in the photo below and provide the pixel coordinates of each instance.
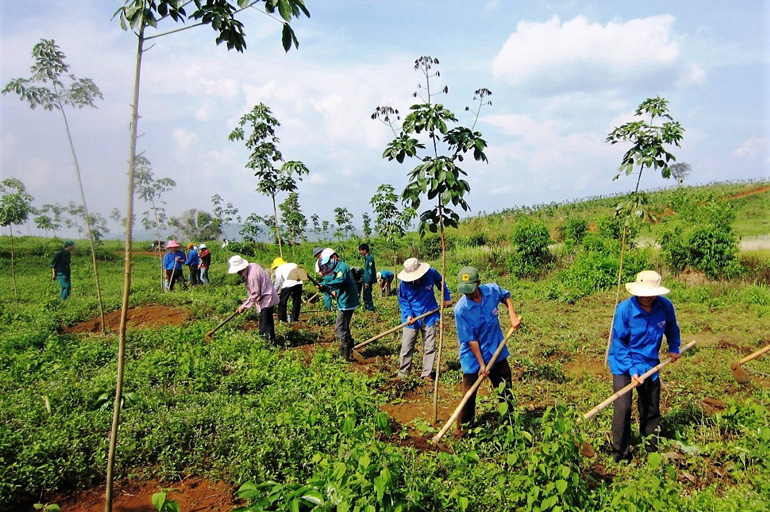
(692, 76)
(555, 57)
(185, 139)
(751, 149)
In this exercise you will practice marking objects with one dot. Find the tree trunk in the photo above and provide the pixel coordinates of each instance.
(617, 295)
(160, 252)
(127, 276)
(277, 231)
(85, 218)
(441, 311)
(13, 268)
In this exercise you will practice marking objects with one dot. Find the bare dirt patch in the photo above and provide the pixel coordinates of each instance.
(151, 315)
(192, 494)
(577, 367)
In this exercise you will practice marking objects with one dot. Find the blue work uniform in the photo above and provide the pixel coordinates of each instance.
(637, 336)
(417, 297)
(479, 321)
(192, 258)
(170, 261)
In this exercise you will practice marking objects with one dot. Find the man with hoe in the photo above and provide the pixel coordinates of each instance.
(370, 275)
(479, 334)
(323, 271)
(261, 293)
(60, 268)
(340, 281)
(172, 263)
(416, 296)
(287, 289)
(637, 334)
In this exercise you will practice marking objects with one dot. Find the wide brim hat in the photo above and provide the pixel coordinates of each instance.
(172, 244)
(277, 263)
(647, 284)
(317, 251)
(413, 270)
(237, 263)
(326, 255)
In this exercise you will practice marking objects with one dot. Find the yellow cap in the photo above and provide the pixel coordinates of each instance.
(277, 263)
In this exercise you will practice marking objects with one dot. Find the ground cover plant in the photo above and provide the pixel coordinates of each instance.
(294, 428)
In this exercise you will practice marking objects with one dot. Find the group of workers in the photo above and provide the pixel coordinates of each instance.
(197, 260)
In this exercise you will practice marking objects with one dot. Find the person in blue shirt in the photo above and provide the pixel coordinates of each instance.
(640, 323)
(385, 280)
(193, 262)
(340, 281)
(479, 334)
(172, 264)
(416, 296)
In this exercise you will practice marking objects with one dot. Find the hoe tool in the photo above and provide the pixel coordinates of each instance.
(210, 334)
(739, 373)
(586, 449)
(361, 358)
(473, 388)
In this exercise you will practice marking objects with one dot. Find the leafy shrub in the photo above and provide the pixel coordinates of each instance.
(595, 271)
(531, 256)
(573, 229)
(611, 226)
(477, 239)
(430, 246)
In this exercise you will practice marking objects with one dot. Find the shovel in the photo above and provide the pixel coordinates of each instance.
(473, 388)
(360, 358)
(586, 449)
(740, 375)
(210, 334)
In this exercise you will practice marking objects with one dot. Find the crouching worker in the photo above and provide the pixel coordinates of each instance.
(340, 281)
(637, 333)
(261, 293)
(385, 280)
(479, 333)
(287, 288)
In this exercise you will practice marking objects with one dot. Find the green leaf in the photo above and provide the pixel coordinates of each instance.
(561, 486)
(158, 500)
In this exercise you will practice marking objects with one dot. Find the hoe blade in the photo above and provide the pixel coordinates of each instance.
(740, 374)
(358, 357)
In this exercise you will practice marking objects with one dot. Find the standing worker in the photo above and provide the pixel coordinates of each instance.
(480, 334)
(205, 257)
(193, 262)
(637, 334)
(340, 281)
(261, 293)
(60, 268)
(172, 263)
(416, 297)
(286, 288)
(370, 275)
(385, 280)
(323, 271)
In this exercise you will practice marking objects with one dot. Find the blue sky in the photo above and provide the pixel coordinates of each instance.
(563, 75)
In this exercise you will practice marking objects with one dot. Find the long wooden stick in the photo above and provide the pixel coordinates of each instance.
(389, 331)
(473, 388)
(215, 329)
(754, 355)
(633, 384)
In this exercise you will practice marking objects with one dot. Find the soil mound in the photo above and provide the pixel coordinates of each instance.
(136, 496)
(151, 315)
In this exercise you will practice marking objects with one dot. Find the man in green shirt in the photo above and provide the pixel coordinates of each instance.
(60, 268)
(370, 275)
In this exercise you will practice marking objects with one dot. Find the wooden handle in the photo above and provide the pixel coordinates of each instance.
(754, 355)
(473, 388)
(215, 329)
(396, 328)
(633, 384)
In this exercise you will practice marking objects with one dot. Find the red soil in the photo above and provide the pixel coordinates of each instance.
(152, 315)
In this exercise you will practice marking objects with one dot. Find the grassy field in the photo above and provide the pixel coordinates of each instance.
(306, 428)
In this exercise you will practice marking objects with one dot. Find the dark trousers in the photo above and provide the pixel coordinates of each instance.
(194, 272)
(173, 276)
(648, 401)
(500, 372)
(368, 302)
(267, 324)
(343, 335)
(295, 293)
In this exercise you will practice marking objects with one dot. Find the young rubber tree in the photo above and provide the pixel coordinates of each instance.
(263, 144)
(294, 220)
(143, 17)
(150, 191)
(390, 222)
(438, 177)
(316, 220)
(46, 88)
(251, 230)
(366, 226)
(650, 141)
(225, 214)
(15, 208)
(680, 172)
(344, 220)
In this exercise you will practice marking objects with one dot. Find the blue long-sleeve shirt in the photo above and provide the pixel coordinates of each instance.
(479, 321)
(192, 258)
(173, 260)
(417, 297)
(637, 336)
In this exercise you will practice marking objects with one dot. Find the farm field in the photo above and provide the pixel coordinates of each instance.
(306, 431)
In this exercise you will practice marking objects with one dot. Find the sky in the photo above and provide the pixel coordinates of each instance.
(563, 74)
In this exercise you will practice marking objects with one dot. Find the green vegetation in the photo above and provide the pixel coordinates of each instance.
(294, 428)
